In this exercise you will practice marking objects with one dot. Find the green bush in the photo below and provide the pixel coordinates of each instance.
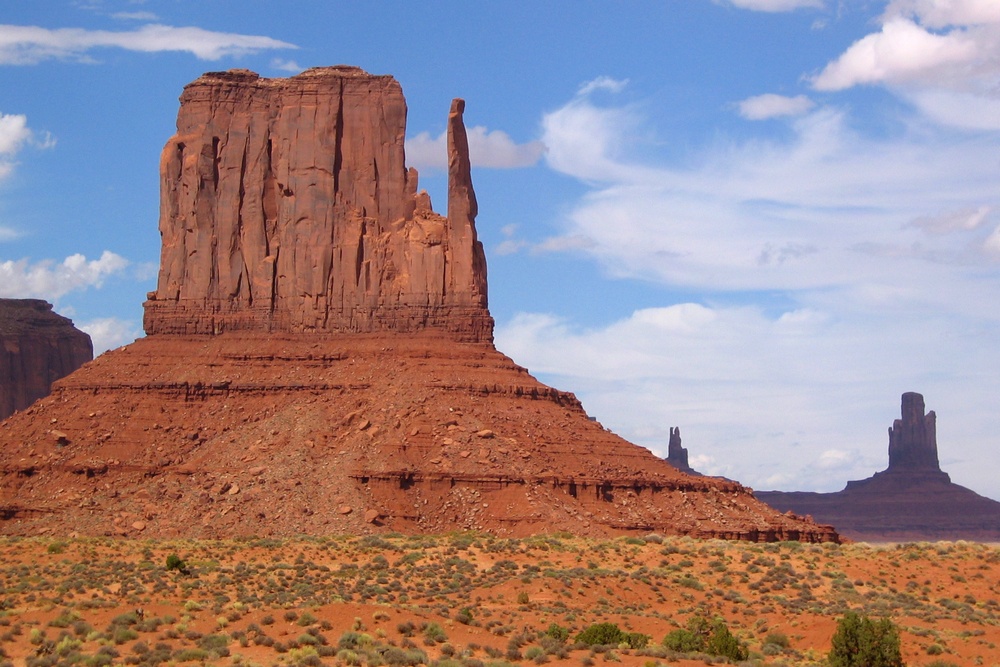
(601, 634)
(704, 636)
(862, 642)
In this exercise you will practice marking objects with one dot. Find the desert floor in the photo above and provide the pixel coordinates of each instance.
(470, 600)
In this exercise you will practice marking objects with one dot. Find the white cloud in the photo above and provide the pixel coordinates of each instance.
(14, 133)
(135, 16)
(489, 149)
(605, 83)
(50, 280)
(109, 332)
(945, 13)
(774, 5)
(902, 52)
(766, 106)
(286, 65)
(965, 219)
(943, 56)
(6, 233)
(28, 45)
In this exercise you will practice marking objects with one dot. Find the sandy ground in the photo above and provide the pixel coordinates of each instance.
(466, 600)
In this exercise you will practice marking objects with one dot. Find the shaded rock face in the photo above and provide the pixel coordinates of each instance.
(677, 455)
(37, 347)
(913, 439)
(320, 360)
(913, 499)
(286, 206)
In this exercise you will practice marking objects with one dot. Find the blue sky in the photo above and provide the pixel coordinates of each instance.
(761, 221)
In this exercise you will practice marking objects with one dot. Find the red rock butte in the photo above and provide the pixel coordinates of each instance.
(319, 358)
(286, 206)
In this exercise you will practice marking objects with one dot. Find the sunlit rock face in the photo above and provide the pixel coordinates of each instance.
(286, 206)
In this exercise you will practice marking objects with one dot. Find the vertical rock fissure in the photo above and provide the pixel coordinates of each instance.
(338, 139)
(238, 235)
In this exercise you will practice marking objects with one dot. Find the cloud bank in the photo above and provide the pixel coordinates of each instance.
(491, 149)
(839, 269)
(50, 280)
(29, 45)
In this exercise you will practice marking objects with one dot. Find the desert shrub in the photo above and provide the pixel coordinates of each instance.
(601, 634)
(705, 636)
(398, 657)
(175, 562)
(557, 632)
(775, 638)
(862, 642)
(407, 628)
(434, 634)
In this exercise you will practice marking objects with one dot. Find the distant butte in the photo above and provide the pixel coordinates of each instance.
(37, 347)
(912, 499)
(319, 358)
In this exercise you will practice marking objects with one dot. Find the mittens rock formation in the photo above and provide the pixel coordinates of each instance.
(319, 358)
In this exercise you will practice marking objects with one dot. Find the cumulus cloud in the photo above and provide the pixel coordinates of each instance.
(135, 16)
(50, 280)
(941, 56)
(491, 149)
(762, 107)
(774, 5)
(28, 45)
(109, 332)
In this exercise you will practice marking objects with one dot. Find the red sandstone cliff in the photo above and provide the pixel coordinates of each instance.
(320, 358)
(286, 206)
(37, 347)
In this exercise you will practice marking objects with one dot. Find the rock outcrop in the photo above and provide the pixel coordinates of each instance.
(677, 455)
(286, 206)
(912, 499)
(38, 347)
(320, 358)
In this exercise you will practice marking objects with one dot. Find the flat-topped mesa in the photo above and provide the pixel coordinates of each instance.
(37, 347)
(286, 206)
(913, 439)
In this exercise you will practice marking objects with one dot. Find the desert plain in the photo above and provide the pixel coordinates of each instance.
(467, 599)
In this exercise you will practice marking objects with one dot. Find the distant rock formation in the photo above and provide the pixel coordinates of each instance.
(677, 456)
(38, 347)
(286, 206)
(319, 358)
(913, 499)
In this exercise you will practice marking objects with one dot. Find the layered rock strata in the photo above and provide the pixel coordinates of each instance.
(912, 499)
(37, 347)
(286, 206)
(320, 358)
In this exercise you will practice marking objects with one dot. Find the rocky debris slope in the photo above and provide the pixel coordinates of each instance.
(38, 347)
(913, 499)
(320, 359)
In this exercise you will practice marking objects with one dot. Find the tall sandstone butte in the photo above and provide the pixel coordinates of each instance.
(320, 358)
(286, 206)
(37, 347)
(912, 499)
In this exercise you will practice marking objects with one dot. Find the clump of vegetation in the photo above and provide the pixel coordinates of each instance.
(704, 636)
(609, 634)
(862, 642)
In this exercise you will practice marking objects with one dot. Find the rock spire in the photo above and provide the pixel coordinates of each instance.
(913, 439)
(286, 206)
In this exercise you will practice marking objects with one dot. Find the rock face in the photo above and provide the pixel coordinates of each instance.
(38, 347)
(911, 500)
(320, 358)
(286, 206)
(913, 439)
